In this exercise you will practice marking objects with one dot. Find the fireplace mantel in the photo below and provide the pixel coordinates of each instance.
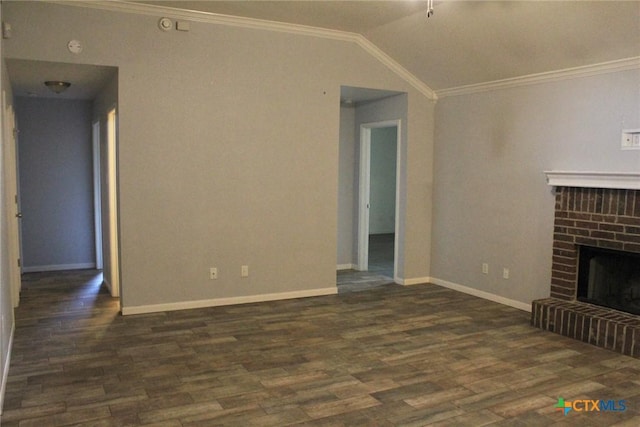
(619, 180)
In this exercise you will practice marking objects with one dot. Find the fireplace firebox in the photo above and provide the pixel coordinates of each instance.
(609, 278)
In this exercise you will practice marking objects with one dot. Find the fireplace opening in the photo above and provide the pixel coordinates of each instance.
(609, 278)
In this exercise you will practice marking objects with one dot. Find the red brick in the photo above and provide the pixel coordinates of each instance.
(586, 241)
(592, 200)
(597, 234)
(564, 275)
(631, 230)
(629, 220)
(587, 224)
(628, 211)
(579, 215)
(563, 237)
(569, 256)
(621, 202)
(562, 294)
(632, 247)
(598, 200)
(577, 232)
(603, 218)
(567, 285)
(606, 202)
(633, 238)
(564, 245)
(561, 222)
(612, 227)
(563, 267)
(608, 244)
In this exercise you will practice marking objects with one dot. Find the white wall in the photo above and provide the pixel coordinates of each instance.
(491, 200)
(56, 183)
(219, 165)
(382, 194)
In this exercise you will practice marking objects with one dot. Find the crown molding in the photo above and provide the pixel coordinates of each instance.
(550, 76)
(259, 24)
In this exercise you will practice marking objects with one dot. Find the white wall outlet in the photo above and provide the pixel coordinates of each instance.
(244, 271)
(631, 139)
(485, 268)
(213, 273)
(505, 273)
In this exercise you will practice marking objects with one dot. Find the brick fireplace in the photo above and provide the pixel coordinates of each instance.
(588, 215)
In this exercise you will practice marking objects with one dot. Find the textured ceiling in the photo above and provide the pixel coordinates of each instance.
(465, 42)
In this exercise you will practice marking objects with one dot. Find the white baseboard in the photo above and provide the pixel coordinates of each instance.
(482, 294)
(154, 308)
(58, 267)
(346, 267)
(5, 372)
(413, 281)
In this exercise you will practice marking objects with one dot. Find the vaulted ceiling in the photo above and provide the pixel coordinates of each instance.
(465, 42)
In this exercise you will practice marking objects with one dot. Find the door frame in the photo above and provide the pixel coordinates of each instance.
(97, 191)
(10, 166)
(365, 189)
(113, 281)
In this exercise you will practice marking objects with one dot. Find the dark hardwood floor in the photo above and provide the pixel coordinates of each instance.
(392, 356)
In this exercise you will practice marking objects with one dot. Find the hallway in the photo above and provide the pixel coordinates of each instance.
(380, 272)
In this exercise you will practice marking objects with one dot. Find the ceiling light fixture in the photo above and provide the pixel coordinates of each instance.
(57, 86)
(429, 8)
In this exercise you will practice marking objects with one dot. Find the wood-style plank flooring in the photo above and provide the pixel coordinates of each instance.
(392, 356)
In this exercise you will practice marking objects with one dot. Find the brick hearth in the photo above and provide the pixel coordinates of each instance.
(597, 217)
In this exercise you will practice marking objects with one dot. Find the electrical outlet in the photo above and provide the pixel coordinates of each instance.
(485, 268)
(505, 273)
(213, 273)
(244, 271)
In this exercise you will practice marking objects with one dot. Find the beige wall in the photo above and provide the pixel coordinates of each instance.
(347, 190)
(228, 149)
(6, 304)
(491, 200)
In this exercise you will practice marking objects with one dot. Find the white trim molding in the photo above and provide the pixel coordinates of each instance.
(617, 180)
(5, 372)
(346, 267)
(482, 294)
(550, 76)
(260, 24)
(412, 281)
(185, 305)
(59, 267)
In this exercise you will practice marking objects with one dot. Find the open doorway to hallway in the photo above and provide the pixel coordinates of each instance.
(63, 168)
(368, 196)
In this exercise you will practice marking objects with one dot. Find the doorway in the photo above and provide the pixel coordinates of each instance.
(378, 197)
(75, 133)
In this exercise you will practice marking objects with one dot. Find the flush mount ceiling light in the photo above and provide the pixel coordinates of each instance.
(57, 86)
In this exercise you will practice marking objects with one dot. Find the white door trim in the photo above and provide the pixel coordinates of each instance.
(10, 165)
(365, 188)
(97, 203)
(112, 184)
